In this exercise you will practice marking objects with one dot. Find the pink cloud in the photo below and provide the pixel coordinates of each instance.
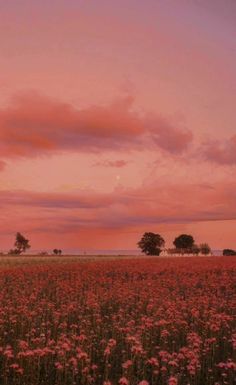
(222, 153)
(112, 163)
(33, 125)
(89, 200)
(119, 216)
(2, 165)
(172, 139)
(152, 204)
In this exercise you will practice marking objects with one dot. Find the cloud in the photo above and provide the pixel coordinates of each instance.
(2, 165)
(88, 200)
(112, 163)
(221, 153)
(123, 208)
(33, 125)
(171, 138)
(116, 219)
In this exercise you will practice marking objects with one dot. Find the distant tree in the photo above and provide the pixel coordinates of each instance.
(229, 252)
(195, 249)
(151, 243)
(21, 244)
(205, 248)
(184, 242)
(13, 252)
(57, 251)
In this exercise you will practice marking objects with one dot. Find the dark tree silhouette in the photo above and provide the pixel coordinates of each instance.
(151, 243)
(195, 249)
(57, 251)
(21, 244)
(205, 248)
(229, 252)
(184, 242)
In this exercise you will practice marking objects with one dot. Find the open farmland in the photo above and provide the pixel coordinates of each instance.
(117, 321)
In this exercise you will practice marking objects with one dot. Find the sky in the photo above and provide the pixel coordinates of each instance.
(116, 118)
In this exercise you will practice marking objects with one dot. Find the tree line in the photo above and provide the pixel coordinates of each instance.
(153, 244)
(150, 244)
(22, 244)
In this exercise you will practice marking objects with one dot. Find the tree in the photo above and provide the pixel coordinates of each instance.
(184, 242)
(151, 243)
(21, 244)
(229, 252)
(13, 252)
(195, 249)
(57, 252)
(205, 249)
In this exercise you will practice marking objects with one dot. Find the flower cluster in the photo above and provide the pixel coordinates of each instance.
(122, 322)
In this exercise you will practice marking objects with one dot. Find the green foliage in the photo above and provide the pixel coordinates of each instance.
(151, 243)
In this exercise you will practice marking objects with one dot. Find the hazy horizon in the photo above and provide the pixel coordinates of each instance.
(115, 252)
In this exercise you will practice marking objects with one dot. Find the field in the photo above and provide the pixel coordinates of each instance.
(110, 321)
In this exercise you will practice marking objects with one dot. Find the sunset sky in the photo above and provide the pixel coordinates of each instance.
(117, 117)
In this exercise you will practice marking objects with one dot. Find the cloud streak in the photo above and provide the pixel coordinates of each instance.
(33, 125)
(124, 208)
(222, 153)
(88, 219)
(119, 163)
(2, 165)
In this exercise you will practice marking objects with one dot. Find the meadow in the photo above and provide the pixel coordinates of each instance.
(117, 321)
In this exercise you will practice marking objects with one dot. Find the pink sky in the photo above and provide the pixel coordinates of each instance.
(117, 118)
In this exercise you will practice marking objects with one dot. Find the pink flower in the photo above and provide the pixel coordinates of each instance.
(231, 365)
(123, 381)
(127, 364)
(58, 365)
(23, 345)
(111, 342)
(153, 361)
(172, 381)
(107, 351)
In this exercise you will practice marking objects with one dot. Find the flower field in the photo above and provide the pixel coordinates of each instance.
(136, 321)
